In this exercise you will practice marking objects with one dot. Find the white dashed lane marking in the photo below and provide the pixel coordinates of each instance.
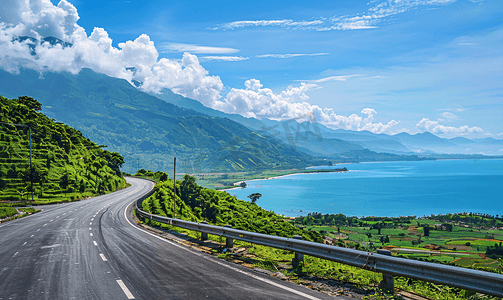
(96, 244)
(125, 289)
(91, 234)
(103, 257)
(32, 235)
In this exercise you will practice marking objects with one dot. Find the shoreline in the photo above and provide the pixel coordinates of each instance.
(295, 173)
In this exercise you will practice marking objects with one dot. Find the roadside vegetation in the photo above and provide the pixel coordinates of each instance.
(10, 212)
(195, 203)
(66, 166)
(445, 241)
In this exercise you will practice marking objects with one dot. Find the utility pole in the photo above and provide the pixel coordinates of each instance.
(174, 188)
(31, 167)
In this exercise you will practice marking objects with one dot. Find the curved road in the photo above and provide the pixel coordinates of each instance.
(92, 250)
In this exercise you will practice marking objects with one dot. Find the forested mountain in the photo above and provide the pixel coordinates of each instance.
(65, 163)
(333, 142)
(148, 131)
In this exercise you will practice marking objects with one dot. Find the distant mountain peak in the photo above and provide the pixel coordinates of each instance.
(33, 42)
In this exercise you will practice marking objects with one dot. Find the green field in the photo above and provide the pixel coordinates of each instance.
(463, 246)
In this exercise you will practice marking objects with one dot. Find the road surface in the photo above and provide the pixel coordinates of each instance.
(91, 250)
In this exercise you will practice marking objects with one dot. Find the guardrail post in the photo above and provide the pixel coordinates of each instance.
(388, 281)
(229, 242)
(299, 257)
(204, 235)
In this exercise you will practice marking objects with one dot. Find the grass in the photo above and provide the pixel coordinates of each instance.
(7, 211)
(13, 213)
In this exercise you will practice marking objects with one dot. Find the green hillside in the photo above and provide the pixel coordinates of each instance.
(195, 203)
(148, 131)
(66, 165)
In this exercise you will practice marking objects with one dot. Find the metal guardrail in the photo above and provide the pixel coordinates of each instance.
(475, 280)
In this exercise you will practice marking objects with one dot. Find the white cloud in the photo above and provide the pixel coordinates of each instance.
(449, 115)
(178, 47)
(334, 78)
(224, 58)
(241, 24)
(370, 19)
(289, 55)
(40, 18)
(368, 111)
(139, 60)
(258, 102)
(435, 127)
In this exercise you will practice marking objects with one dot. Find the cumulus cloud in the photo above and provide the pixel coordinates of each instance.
(139, 60)
(131, 60)
(259, 102)
(435, 127)
(377, 12)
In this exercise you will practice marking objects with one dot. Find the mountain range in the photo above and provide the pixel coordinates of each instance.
(149, 130)
(146, 130)
(319, 140)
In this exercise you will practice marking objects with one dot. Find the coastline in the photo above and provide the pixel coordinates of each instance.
(294, 173)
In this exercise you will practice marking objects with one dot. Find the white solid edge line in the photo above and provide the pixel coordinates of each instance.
(125, 289)
(225, 265)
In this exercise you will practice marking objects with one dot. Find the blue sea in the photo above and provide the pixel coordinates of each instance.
(387, 189)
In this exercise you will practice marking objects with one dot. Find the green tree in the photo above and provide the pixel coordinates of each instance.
(189, 191)
(254, 197)
(64, 181)
(30, 103)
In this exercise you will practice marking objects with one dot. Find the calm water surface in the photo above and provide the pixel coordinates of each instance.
(387, 189)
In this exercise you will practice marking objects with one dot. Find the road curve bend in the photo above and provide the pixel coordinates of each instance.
(91, 249)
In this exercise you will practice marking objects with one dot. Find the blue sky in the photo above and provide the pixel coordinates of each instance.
(385, 66)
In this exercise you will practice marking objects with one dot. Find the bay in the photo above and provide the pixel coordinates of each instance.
(386, 189)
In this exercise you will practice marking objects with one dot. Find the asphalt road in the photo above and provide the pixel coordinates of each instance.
(91, 250)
